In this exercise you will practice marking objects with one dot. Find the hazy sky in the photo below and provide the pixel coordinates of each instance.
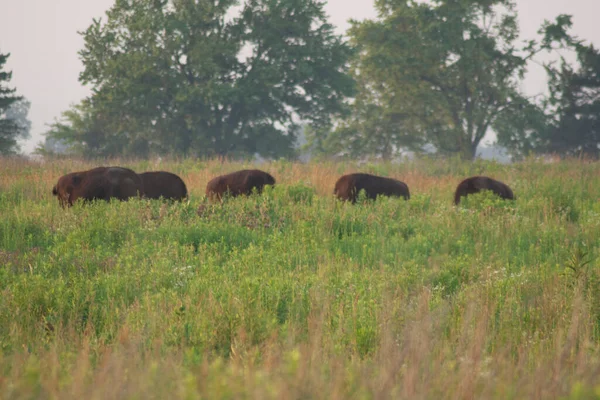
(41, 36)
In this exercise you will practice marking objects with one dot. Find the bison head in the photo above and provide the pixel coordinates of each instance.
(64, 187)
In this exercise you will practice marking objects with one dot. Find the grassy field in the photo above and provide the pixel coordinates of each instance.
(293, 295)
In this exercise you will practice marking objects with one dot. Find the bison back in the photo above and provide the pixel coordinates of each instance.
(122, 183)
(163, 184)
(101, 183)
(349, 186)
(476, 184)
(238, 183)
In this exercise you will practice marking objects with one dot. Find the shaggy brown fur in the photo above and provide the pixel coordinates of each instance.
(163, 184)
(476, 184)
(102, 183)
(349, 186)
(238, 183)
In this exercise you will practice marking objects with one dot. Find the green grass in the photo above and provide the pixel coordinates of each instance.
(295, 295)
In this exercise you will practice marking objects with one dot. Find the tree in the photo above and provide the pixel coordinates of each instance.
(13, 113)
(185, 77)
(83, 132)
(438, 73)
(574, 106)
(521, 131)
(371, 129)
(18, 112)
(567, 120)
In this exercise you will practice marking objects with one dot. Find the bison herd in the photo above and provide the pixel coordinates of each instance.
(105, 183)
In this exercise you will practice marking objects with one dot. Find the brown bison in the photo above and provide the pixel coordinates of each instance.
(476, 184)
(102, 183)
(348, 187)
(163, 184)
(238, 183)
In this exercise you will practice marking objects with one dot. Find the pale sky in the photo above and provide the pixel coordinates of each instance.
(42, 37)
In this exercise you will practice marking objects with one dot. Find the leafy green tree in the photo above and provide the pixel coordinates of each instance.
(574, 106)
(438, 73)
(83, 132)
(521, 131)
(18, 112)
(185, 77)
(13, 124)
(371, 129)
(567, 121)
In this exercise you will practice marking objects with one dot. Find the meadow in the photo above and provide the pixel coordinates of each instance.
(294, 295)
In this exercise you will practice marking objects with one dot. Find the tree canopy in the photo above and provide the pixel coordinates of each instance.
(574, 106)
(565, 122)
(216, 78)
(438, 73)
(194, 77)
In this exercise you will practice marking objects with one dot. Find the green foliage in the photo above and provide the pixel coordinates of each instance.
(197, 78)
(371, 129)
(564, 123)
(522, 130)
(18, 112)
(574, 104)
(438, 73)
(485, 200)
(81, 132)
(13, 113)
(300, 193)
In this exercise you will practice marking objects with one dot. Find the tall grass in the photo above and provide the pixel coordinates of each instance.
(295, 295)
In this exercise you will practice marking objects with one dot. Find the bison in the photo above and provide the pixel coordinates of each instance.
(163, 184)
(476, 184)
(102, 183)
(238, 183)
(348, 187)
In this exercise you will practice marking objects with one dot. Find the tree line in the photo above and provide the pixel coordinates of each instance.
(215, 78)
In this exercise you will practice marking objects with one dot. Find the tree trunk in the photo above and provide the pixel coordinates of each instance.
(468, 151)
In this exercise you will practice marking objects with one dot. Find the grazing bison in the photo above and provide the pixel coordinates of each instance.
(238, 183)
(163, 184)
(348, 187)
(476, 184)
(102, 183)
